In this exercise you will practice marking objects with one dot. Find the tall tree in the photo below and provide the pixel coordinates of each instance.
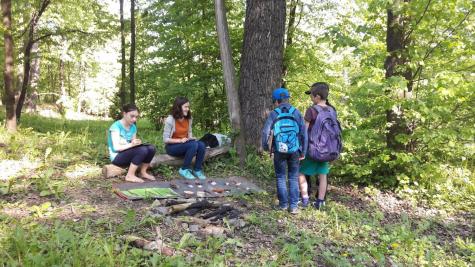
(132, 51)
(8, 66)
(29, 42)
(396, 64)
(261, 63)
(122, 51)
(234, 107)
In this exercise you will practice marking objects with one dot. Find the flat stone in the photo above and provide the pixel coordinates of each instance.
(194, 228)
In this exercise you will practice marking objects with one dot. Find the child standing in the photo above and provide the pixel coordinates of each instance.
(319, 96)
(286, 130)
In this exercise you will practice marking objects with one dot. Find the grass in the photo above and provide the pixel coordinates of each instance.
(60, 212)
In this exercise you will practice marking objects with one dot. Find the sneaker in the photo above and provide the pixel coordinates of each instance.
(305, 202)
(200, 175)
(319, 204)
(294, 211)
(186, 173)
(277, 207)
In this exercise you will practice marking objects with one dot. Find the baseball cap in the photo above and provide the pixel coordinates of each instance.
(280, 93)
(319, 88)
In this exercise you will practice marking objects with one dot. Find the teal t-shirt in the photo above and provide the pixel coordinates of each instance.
(125, 136)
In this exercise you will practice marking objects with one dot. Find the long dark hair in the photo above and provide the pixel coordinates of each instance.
(129, 107)
(177, 111)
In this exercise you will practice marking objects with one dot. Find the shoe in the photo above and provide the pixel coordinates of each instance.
(277, 207)
(305, 202)
(319, 204)
(186, 173)
(200, 175)
(294, 211)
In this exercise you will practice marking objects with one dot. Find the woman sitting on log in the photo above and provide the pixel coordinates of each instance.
(125, 149)
(179, 141)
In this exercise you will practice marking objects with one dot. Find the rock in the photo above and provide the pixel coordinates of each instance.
(184, 225)
(167, 251)
(168, 221)
(156, 203)
(213, 230)
(200, 194)
(188, 193)
(238, 223)
(194, 228)
(154, 245)
(161, 210)
(218, 190)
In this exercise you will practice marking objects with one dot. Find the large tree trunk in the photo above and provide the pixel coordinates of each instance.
(261, 64)
(396, 65)
(8, 66)
(132, 51)
(27, 55)
(234, 107)
(122, 51)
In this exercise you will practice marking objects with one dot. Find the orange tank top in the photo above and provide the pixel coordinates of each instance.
(181, 129)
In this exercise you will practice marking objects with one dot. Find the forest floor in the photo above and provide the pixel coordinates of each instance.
(56, 209)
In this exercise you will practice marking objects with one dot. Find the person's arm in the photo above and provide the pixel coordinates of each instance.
(190, 132)
(167, 133)
(303, 137)
(120, 146)
(266, 132)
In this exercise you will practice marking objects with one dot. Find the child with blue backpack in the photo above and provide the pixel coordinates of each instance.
(284, 134)
(324, 142)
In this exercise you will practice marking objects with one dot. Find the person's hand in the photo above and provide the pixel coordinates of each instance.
(302, 157)
(136, 142)
(184, 140)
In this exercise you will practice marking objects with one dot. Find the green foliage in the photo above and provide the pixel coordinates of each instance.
(179, 56)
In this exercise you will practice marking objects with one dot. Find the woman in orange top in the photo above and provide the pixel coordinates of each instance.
(179, 141)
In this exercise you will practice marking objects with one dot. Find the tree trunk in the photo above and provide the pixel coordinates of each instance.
(27, 55)
(396, 65)
(8, 66)
(61, 78)
(122, 51)
(26, 73)
(234, 107)
(35, 66)
(132, 51)
(261, 64)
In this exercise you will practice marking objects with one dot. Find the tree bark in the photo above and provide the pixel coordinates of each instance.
(132, 51)
(396, 65)
(11, 122)
(27, 55)
(234, 107)
(122, 51)
(261, 64)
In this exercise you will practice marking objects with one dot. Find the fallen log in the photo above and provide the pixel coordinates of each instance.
(111, 170)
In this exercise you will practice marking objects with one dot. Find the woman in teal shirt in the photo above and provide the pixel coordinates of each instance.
(125, 149)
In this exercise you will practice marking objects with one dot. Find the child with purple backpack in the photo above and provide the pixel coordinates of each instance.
(324, 142)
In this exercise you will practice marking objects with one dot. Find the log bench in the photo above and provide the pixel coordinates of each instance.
(111, 170)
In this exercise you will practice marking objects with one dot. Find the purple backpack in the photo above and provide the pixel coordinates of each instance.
(324, 141)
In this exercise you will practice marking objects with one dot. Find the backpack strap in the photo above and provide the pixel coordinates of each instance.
(291, 110)
(278, 111)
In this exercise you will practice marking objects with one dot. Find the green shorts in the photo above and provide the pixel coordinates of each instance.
(309, 166)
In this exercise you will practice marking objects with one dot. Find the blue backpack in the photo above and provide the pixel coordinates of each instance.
(285, 130)
(324, 140)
